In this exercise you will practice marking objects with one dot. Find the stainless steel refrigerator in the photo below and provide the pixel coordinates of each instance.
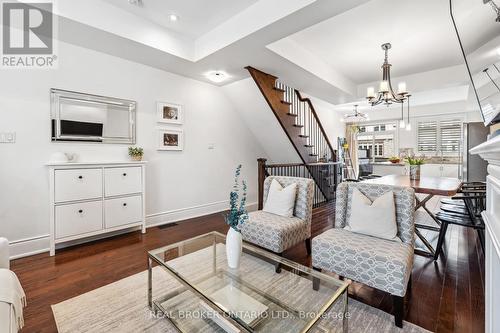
(473, 167)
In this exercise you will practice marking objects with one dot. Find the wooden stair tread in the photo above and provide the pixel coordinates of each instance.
(278, 94)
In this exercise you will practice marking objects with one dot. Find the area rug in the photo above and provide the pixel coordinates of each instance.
(122, 306)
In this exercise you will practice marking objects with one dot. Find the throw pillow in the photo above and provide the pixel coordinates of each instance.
(377, 218)
(281, 200)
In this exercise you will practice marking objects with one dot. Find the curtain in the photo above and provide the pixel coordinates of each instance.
(352, 142)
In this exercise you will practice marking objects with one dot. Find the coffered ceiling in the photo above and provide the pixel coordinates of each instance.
(421, 34)
(329, 49)
(195, 17)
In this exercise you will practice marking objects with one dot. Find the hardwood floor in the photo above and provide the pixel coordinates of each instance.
(447, 295)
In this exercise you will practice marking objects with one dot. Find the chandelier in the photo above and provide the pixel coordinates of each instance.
(495, 8)
(356, 117)
(386, 93)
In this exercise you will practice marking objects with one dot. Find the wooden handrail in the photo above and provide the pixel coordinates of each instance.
(308, 101)
(300, 164)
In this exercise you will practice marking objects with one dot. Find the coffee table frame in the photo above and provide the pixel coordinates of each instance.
(155, 305)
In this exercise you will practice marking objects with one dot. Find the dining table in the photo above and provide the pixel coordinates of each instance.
(430, 186)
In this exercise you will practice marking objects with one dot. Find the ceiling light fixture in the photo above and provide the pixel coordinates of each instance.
(356, 117)
(173, 18)
(385, 92)
(217, 76)
(135, 2)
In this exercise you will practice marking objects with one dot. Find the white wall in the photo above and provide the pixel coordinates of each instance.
(260, 119)
(195, 181)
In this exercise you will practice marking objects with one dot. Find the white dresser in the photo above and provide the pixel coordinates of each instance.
(89, 199)
(490, 151)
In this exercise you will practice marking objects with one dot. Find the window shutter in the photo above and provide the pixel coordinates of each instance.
(427, 136)
(450, 134)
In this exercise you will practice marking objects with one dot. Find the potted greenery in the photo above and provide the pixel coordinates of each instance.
(415, 162)
(394, 159)
(237, 215)
(135, 153)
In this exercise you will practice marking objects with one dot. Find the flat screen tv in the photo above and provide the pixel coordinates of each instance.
(72, 130)
(480, 47)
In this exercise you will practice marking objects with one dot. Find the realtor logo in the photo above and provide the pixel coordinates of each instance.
(28, 35)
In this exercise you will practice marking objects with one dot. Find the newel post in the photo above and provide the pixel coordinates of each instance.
(261, 178)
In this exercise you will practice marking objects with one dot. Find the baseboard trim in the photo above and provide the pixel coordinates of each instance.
(177, 215)
(26, 247)
(29, 246)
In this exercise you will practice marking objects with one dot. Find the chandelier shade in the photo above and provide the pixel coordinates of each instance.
(386, 93)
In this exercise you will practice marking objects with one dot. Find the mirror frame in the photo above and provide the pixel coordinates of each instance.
(57, 94)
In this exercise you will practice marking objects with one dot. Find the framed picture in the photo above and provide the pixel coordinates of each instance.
(169, 113)
(170, 139)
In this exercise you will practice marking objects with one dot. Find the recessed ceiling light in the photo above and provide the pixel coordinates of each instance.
(173, 18)
(135, 2)
(217, 76)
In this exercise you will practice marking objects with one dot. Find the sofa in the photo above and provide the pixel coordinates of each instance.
(379, 263)
(9, 322)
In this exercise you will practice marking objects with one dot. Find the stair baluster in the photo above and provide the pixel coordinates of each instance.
(300, 122)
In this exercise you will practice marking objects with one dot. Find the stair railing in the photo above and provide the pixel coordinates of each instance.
(307, 119)
(324, 174)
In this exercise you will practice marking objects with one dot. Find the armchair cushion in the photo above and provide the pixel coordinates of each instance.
(274, 232)
(376, 262)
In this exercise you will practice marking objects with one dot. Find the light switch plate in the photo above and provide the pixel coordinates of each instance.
(7, 137)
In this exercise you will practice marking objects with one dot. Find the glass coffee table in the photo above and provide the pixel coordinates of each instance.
(190, 284)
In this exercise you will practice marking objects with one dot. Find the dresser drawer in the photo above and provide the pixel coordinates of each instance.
(78, 218)
(77, 184)
(121, 211)
(120, 181)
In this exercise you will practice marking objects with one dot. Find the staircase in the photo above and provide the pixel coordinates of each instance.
(301, 124)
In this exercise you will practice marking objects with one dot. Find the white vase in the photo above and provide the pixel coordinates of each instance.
(234, 243)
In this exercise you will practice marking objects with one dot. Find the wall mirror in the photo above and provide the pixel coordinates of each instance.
(91, 118)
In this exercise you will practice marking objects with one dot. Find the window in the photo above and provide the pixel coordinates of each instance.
(441, 136)
(427, 137)
(450, 134)
(379, 139)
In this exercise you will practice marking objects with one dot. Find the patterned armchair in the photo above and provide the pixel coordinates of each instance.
(376, 262)
(277, 233)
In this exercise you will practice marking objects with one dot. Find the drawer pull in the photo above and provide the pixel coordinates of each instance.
(80, 211)
(80, 177)
(124, 174)
(124, 204)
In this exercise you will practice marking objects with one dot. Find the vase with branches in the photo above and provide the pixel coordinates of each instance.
(236, 216)
(415, 163)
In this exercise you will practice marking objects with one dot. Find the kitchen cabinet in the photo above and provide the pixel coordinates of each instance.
(439, 170)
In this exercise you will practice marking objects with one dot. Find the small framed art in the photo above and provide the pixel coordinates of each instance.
(170, 139)
(169, 113)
